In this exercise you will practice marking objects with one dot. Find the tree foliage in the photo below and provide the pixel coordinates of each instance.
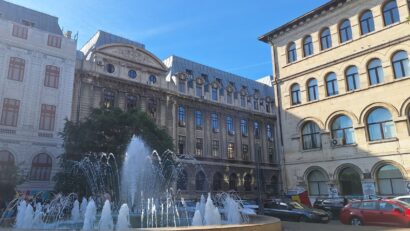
(108, 131)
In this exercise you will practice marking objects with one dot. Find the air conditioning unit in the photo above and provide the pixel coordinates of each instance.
(181, 123)
(232, 133)
(100, 63)
(215, 130)
(334, 142)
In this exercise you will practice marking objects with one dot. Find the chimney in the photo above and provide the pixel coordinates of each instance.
(68, 34)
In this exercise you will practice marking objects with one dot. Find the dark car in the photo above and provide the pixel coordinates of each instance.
(376, 212)
(332, 206)
(294, 211)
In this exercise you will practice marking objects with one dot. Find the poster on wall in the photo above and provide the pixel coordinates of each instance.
(333, 192)
(369, 189)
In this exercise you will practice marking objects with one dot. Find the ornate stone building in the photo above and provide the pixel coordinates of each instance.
(342, 78)
(36, 77)
(225, 121)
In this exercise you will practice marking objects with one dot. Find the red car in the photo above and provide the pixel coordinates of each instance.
(376, 212)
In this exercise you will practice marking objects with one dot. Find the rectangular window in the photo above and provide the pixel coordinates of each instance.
(244, 127)
(16, 69)
(269, 132)
(214, 122)
(181, 116)
(181, 144)
(10, 112)
(131, 102)
(215, 94)
(256, 130)
(229, 125)
(181, 85)
(108, 99)
(47, 117)
(270, 155)
(199, 147)
(27, 23)
(245, 152)
(52, 76)
(215, 148)
(54, 41)
(255, 104)
(268, 107)
(20, 31)
(231, 151)
(229, 99)
(243, 101)
(199, 90)
(198, 120)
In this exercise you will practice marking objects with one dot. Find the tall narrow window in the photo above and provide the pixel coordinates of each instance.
(390, 13)
(311, 136)
(214, 94)
(199, 146)
(247, 182)
(401, 65)
(243, 101)
(229, 125)
(199, 90)
(307, 46)
(181, 144)
(245, 152)
(292, 56)
(325, 39)
(366, 22)
(375, 72)
(269, 132)
(10, 112)
(229, 97)
(345, 31)
(181, 116)
(233, 182)
(256, 130)
(271, 155)
(198, 120)
(295, 94)
(217, 181)
(131, 102)
(331, 84)
(41, 167)
(231, 151)
(16, 69)
(181, 85)
(108, 99)
(244, 127)
(352, 78)
(54, 41)
(313, 90)
(343, 131)
(52, 76)
(20, 31)
(6, 166)
(200, 181)
(182, 181)
(215, 148)
(380, 125)
(256, 104)
(214, 122)
(47, 117)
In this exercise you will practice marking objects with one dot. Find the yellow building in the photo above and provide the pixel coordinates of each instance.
(342, 78)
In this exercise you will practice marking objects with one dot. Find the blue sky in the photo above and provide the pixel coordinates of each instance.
(217, 33)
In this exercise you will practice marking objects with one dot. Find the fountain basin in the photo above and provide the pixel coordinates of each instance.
(256, 223)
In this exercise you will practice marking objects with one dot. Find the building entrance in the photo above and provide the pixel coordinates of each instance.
(350, 183)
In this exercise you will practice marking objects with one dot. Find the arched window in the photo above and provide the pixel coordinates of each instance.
(217, 182)
(331, 84)
(401, 65)
(41, 167)
(313, 92)
(325, 39)
(352, 78)
(182, 181)
(390, 13)
(366, 22)
(380, 125)
(307, 46)
(295, 94)
(317, 183)
(311, 136)
(375, 72)
(292, 56)
(345, 31)
(6, 165)
(233, 182)
(343, 131)
(390, 181)
(200, 181)
(247, 182)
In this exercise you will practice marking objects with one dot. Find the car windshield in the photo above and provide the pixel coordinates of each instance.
(402, 203)
(297, 205)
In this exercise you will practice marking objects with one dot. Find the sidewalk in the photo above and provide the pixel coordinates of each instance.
(334, 226)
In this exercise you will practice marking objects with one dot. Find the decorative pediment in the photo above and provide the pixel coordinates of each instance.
(133, 54)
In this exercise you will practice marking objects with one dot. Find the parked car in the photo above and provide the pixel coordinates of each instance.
(403, 198)
(385, 212)
(250, 204)
(294, 211)
(332, 206)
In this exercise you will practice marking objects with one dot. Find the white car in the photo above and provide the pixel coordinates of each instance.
(404, 198)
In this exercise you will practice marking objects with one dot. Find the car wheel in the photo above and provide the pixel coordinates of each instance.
(303, 219)
(356, 221)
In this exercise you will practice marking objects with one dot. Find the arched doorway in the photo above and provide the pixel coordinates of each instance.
(350, 182)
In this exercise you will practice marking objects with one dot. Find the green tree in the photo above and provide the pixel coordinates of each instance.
(109, 131)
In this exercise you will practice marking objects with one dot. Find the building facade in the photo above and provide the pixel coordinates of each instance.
(36, 77)
(225, 121)
(342, 78)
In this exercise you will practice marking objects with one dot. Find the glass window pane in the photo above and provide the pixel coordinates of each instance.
(375, 132)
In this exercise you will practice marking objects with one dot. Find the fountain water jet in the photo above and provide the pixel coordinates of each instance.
(90, 215)
(106, 221)
(123, 221)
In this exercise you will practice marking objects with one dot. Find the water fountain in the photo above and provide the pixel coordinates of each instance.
(145, 192)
